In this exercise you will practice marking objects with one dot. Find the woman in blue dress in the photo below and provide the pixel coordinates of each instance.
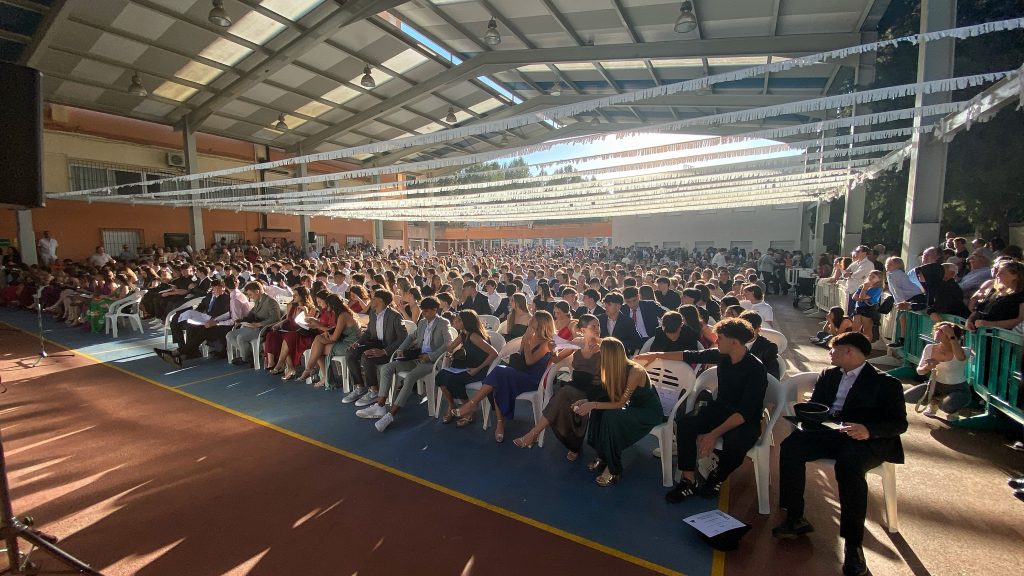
(523, 373)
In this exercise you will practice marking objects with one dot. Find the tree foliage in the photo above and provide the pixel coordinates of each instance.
(984, 165)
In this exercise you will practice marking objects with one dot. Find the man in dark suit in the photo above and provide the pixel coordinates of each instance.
(194, 326)
(384, 333)
(764, 349)
(645, 314)
(617, 324)
(591, 297)
(668, 298)
(870, 406)
(473, 300)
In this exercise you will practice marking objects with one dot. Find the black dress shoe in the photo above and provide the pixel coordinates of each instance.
(239, 361)
(853, 562)
(219, 355)
(1016, 483)
(792, 529)
(1019, 494)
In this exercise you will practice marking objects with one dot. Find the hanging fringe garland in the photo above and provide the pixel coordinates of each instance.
(590, 105)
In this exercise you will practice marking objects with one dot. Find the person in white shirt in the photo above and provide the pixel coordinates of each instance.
(719, 259)
(856, 273)
(339, 286)
(493, 297)
(100, 258)
(47, 249)
(754, 294)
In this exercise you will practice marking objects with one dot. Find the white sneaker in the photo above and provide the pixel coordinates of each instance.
(372, 411)
(930, 412)
(385, 421)
(354, 395)
(366, 399)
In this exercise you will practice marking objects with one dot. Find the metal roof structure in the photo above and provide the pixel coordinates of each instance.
(303, 60)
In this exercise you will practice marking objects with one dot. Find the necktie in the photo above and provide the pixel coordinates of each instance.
(209, 307)
(634, 315)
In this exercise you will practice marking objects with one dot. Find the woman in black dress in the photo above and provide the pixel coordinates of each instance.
(1003, 306)
(466, 368)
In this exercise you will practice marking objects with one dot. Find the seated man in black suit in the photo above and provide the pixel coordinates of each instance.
(195, 326)
(591, 299)
(668, 298)
(645, 314)
(473, 300)
(869, 404)
(616, 323)
(765, 350)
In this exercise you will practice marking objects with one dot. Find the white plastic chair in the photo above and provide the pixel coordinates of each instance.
(802, 384)
(497, 342)
(777, 397)
(167, 320)
(777, 338)
(122, 309)
(647, 346)
(409, 325)
(673, 377)
(490, 322)
(887, 471)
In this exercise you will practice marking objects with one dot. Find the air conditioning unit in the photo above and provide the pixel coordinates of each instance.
(176, 160)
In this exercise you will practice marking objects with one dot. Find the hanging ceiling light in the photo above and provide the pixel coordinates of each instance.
(450, 118)
(556, 90)
(595, 120)
(218, 16)
(504, 140)
(367, 80)
(686, 22)
(492, 37)
(280, 124)
(136, 88)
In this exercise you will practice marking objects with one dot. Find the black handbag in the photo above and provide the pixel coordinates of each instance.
(518, 362)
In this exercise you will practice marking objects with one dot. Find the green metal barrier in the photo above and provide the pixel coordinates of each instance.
(995, 375)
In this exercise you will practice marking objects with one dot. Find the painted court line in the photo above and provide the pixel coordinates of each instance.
(211, 378)
(718, 561)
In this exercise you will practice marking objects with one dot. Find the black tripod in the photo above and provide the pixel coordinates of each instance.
(11, 529)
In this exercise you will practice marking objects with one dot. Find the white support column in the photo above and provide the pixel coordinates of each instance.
(27, 237)
(819, 227)
(853, 216)
(305, 222)
(927, 179)
(188, 147)
(431, 235)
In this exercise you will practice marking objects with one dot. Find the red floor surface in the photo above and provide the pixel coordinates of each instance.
(136, 479)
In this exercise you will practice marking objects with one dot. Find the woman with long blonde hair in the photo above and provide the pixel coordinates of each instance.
(503, 384)
(631, 411)
(518, 317)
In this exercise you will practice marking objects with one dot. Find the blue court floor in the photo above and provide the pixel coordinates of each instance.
(631, 517)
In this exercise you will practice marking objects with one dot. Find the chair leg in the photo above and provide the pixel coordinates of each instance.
(892, 519)
(256, 356)
(136, 322)
(485, 407)
(762, 477)
(665, 442)
(538, 413)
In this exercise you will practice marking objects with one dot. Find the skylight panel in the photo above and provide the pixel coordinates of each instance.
(291, 9)
(256, 28)
(174, 91)
(432, 127)
(198, 73)
(341, 94)
(314, 109)
(678, 63)
(404, 61)
(624, 65)
(738, 61)
(225, 51)
(486, 106)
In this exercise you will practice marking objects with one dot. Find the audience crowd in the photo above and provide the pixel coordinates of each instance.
(391, 318)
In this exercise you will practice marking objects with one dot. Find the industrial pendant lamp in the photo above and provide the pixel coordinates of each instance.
(450, 118)
(686, 22)
(367, 80)
(280, 124)
(556, 90)
(136, 88)
(492, 37)
(218, 16)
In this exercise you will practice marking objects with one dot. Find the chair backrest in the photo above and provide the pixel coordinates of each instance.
(777, 338)
(777, 398)
(490, 322)
(189, 304)
(647, 346)
(410, 326)
(130, 300)
(502, 327)
(497, 341)
(672, 380)
(708, 380)
(509, 348)
(453, 332)
(797, 382)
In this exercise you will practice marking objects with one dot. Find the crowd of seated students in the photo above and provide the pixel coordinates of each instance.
(599, 306)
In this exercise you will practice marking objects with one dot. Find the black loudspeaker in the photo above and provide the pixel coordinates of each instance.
(21, 154)
(311, 237)
(831, 233)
